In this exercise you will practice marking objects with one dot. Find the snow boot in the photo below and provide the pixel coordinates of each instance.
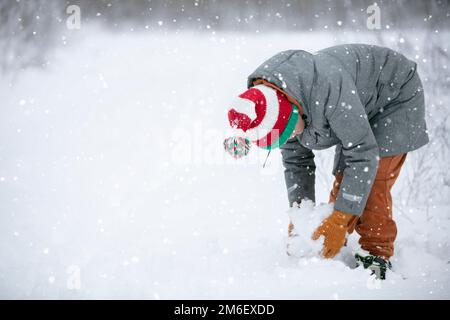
(377, 264)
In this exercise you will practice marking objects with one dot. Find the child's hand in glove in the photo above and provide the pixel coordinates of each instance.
(334, 228)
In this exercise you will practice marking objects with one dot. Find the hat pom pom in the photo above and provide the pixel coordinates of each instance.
(237, 147)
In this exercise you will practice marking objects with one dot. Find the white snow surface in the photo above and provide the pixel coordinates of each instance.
(114, 183)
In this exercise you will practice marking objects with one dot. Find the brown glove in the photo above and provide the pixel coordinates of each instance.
(290, 229)
(334, 228)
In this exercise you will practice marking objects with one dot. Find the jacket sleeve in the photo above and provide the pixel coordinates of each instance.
(348, 120)
(299, 173)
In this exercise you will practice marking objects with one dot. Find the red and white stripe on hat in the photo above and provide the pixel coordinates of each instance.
(262, 113)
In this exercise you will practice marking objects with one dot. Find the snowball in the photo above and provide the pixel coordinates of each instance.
(306, 219)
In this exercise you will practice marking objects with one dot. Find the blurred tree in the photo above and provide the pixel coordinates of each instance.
(26, 32)
(29, 28)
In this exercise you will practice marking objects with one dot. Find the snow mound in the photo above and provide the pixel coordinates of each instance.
(306, 218)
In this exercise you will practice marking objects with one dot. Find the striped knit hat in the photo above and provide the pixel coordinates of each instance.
(266, 117)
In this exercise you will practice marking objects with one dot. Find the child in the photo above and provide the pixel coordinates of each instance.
(367, 101)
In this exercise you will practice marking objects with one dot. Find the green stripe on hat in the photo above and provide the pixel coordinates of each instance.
(287, 130)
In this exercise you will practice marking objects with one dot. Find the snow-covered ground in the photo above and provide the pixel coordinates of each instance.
(114, 183)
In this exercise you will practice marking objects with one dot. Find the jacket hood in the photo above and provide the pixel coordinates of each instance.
(293, 71)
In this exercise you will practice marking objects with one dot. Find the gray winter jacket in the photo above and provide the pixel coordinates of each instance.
(366, 100)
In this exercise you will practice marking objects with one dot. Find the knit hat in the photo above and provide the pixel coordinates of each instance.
(263, 116)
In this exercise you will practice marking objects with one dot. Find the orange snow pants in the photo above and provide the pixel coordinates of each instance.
(376, 226)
